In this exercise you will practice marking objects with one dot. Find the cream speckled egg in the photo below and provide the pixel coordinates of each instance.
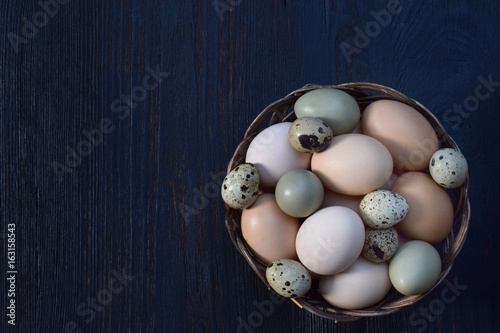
(448, 167)
(309, 134)
(289, 278)
(380, 244)
(382, 209)
(241, 186)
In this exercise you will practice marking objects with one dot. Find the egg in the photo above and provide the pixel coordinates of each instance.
(273, 155)
(268, 231)
(380, 244)
(415, 268)
(309, 134)
(430, 213)
(404, 131)
(331, 198)
(361, 285)
(330, 240)
(336, 108)
(289, 278)
(353, 164)
(299, 193)
(448, 167)
(382, 209)
(241, 186)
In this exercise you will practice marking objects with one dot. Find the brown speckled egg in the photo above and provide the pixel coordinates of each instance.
(380, 244)
(241, 186)
(309, 134)
(289, 278)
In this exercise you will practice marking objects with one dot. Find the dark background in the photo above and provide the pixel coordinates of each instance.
(140, 201)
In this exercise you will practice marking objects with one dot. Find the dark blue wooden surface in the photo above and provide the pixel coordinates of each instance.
(124, 232)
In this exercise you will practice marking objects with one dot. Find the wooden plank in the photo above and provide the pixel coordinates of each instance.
(118, 119)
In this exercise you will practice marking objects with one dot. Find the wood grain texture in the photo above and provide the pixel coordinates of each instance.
(126, 234)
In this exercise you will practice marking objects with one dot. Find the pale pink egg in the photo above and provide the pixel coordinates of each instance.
(330, 240)
(361, 285)
(273, 154)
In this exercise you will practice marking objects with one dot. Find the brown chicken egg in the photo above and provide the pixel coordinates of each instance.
(430, 214)
(269, 232)
(409, 137)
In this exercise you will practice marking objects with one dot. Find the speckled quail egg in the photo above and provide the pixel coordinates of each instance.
(448, 167)
(309, 134)
(289, 278)
(241, 186)
(382, 209)
(380, 244)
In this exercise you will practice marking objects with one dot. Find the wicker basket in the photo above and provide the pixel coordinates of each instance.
(364, 93)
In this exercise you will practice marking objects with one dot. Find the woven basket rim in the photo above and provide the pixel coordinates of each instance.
(364, 93)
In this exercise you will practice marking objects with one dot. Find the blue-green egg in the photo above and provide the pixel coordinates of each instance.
(415, 268)
(336, 108)
(299, 193)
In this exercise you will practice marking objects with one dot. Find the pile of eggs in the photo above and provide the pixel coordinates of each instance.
(356, 201)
